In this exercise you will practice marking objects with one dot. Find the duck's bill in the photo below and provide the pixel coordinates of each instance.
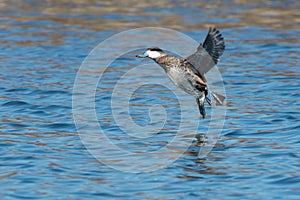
(145, 55)
(141, 56)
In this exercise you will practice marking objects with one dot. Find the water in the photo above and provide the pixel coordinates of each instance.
(42, 47)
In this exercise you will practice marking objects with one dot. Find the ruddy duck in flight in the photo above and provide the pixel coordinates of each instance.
(188, 73)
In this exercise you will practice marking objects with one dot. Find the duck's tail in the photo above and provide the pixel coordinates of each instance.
(218, 97)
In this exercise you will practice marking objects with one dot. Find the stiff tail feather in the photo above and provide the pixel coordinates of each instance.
(218, 97)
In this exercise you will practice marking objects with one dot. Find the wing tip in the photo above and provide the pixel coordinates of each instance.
(214, 43)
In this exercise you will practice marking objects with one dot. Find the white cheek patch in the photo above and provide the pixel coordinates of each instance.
(153, 54)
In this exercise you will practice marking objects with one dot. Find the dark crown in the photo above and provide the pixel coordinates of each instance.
(155, 49)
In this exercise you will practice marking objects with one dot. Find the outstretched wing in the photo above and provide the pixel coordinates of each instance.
(208, 53)
(214, 44)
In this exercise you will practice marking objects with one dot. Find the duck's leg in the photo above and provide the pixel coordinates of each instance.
(208, 100)
(200, 104)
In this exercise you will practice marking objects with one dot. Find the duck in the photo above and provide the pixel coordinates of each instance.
(188, 73)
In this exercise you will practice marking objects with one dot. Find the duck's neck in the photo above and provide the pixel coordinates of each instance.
(165, 61)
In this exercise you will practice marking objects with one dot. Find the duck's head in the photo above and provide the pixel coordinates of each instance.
(152, 53)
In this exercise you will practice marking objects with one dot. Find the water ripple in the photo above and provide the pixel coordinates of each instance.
(42, 46)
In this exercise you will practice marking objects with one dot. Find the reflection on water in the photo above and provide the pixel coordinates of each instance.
(42, 46)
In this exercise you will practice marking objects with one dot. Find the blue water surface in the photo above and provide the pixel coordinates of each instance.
(42, 47)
